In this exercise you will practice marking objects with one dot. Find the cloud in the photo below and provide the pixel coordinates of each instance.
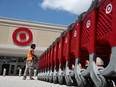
(72, 6)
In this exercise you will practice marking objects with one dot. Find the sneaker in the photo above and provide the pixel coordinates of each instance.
(24, 78)
(31, 78)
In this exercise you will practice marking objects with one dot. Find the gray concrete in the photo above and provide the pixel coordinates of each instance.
(16, 81)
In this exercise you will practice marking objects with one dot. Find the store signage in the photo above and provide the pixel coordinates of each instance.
(108, 8)
(22, 36)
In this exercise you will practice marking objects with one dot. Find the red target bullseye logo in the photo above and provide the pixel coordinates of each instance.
(20, 36)
(108, 8)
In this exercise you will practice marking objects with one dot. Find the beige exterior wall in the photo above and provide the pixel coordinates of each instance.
(43, 35)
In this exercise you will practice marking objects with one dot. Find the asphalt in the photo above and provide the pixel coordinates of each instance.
(16, 81)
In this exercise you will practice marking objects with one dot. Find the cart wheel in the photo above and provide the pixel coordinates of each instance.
(109, 83)
(103, 80)
(89, 83)
(69, 83)
(50, 79)
(55, 79)
(61, 80)
(74, 81)
(47, 79)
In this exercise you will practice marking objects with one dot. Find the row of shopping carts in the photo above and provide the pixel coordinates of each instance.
(84, 54)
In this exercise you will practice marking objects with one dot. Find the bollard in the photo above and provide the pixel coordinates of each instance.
(35, 73)
(20, 71)
(4, 72)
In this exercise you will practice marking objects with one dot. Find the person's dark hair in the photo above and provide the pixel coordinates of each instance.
(33, 45)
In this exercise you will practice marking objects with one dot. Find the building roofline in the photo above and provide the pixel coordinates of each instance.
(32, 23)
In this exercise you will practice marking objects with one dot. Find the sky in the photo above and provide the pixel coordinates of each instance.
(62, 12)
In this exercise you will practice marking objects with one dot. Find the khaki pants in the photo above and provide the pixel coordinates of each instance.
(28, 69)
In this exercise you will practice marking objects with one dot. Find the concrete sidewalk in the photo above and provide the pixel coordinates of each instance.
(15, 81)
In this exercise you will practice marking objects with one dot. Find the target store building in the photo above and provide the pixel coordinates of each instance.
(16, 36)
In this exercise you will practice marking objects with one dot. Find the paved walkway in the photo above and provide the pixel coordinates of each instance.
(15, 81)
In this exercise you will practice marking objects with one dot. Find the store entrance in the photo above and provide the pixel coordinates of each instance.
(12, 70)
(5, 66)
(12, 65)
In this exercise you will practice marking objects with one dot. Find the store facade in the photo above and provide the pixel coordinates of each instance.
(16, 36)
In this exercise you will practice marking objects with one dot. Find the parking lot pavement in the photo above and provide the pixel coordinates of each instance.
(15, 81)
